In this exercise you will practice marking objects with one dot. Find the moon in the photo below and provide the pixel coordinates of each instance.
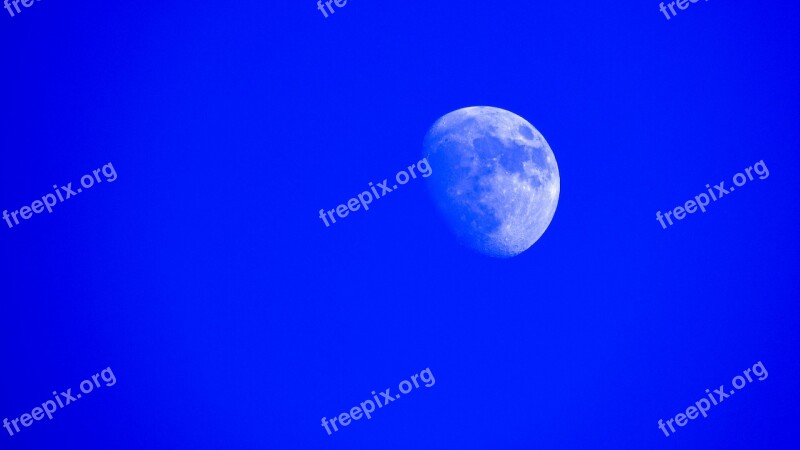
(495, 179)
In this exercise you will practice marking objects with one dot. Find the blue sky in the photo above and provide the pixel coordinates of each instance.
(233, 318)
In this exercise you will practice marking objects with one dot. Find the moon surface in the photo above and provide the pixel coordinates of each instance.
(496, 180)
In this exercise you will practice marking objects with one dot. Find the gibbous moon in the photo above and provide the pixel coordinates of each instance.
(495, 180)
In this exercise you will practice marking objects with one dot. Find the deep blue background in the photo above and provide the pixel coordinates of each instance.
(233, 318)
